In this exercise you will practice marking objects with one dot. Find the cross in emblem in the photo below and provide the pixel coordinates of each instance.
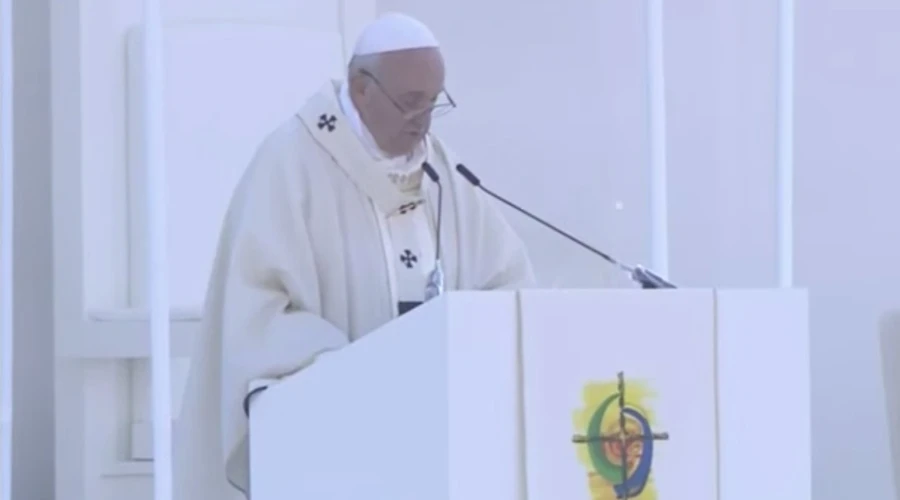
(623, 438)
(327, 121)
(408, 259)
(409, 207)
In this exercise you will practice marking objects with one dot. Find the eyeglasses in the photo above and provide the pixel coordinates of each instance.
(444, 104)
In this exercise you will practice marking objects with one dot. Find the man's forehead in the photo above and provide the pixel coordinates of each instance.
(412, 65)
(414, 74)
(429, 58)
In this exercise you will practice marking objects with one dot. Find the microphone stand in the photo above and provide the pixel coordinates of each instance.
(434, 287)
(648, 279)
(643, 276)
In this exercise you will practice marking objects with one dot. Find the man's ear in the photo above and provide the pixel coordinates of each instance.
(359, 85)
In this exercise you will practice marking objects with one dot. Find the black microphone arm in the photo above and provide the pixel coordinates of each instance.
(435, 285)
(644, 277)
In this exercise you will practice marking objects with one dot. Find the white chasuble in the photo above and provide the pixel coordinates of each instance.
(302, 269)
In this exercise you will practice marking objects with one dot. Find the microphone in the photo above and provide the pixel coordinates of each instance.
(646, 278)
(435, 285)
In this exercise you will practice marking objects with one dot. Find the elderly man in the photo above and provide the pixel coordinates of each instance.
(331, 233)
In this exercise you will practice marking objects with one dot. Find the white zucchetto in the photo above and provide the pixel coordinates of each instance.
(394, 31)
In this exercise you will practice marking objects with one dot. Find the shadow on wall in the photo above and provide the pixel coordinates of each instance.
(889, 327)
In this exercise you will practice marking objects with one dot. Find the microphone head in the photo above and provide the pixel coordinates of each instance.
(429, 170)
(468, 174)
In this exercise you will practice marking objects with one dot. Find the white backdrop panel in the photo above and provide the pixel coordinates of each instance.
(227, 85)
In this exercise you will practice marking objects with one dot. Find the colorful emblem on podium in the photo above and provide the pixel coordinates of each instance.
(618, 441)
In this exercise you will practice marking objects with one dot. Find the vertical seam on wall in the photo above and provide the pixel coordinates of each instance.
(715, 313)
(341, 10)
(520, 400)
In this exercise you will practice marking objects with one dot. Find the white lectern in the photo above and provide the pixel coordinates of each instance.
(549, 395)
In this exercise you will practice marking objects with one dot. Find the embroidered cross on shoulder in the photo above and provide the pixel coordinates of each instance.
(327, 121)
(408, 259)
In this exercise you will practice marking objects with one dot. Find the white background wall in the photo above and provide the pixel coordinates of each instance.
(556, 93)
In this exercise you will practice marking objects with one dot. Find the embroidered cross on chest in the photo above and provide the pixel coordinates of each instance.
(408, 259)
(327, 121)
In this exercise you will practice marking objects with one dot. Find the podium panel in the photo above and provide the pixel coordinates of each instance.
(764, 394)
(712, 390)
(548, 395)
(575, 346)
(423, 408)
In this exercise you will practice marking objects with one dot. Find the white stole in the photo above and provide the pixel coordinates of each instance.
(409, 233)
